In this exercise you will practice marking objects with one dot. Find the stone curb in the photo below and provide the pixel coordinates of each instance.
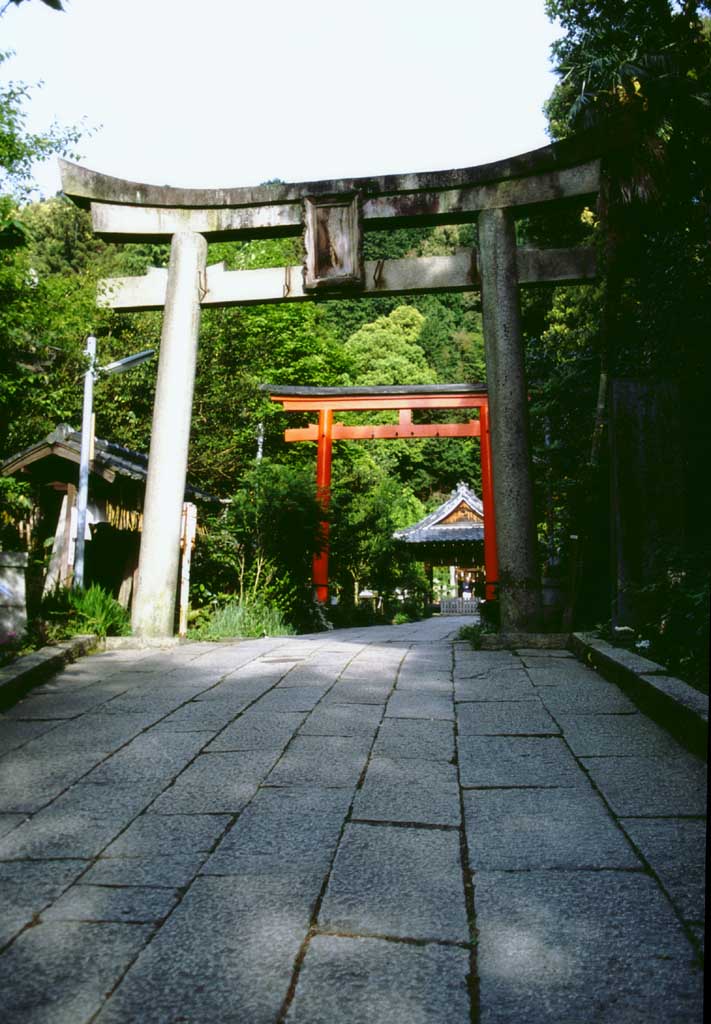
(670, 702)
(22, 675)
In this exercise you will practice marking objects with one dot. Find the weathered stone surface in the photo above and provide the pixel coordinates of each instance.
(8, 822)
(151, 756)
(403, 882)
(216, 783)
(99, 731)
(258, 730)
(675, 849)
(204, 715)
(291, 698)
(152, 834)
(501, 718)
(61, 833)
(517, 761)
(404, 737)
(342, 720)
(169, 871)
(361, 981)
(48, 706)
(526, 829)
(284, 839)
(597, 698)
(121, 801)
(14, 733)
(651, 786)
(603, 735)
(26, 887)
(409, 791)
(226, 954)
(130, 904)
(60, 972)
(321, 761)
(606, 943)
(500, 684)
(419, 705)
(360, 691)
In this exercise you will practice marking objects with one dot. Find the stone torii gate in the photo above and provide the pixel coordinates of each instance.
(332, 216)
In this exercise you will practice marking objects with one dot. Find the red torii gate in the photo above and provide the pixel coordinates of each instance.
(404, 398)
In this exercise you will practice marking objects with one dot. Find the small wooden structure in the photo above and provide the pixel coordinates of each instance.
(115, 509)
(453, 534)
(406, 399)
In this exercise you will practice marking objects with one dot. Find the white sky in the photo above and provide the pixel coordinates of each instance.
(235, 92)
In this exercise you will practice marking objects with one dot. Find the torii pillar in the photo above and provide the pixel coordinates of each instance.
(159, 559)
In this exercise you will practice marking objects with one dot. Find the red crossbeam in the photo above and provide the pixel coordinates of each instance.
(341, 432)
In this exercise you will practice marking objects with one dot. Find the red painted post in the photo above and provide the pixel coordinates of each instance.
(491, 560)
(323, 490)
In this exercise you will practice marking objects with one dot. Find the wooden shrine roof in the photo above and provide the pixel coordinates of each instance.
(458, 520)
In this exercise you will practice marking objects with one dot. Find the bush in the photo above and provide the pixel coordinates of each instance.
(66, 612)
(243, 619)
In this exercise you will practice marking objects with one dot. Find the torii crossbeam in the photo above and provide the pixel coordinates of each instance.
(405, 398)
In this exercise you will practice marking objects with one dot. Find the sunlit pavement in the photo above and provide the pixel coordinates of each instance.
(371, 825)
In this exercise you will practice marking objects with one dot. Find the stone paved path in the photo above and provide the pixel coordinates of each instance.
(365, 826)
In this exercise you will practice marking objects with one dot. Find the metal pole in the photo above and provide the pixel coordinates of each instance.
(86, 432)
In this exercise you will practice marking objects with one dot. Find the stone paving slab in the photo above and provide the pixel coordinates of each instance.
(14, 733)
(511, 684)
(489, 761)
(363, 981)
(426, 740)
(27, 887)
(419, 705)
(397, 882)
(61, 972)
(29, 781)
(606, 943)
(321, 761)
(504, 718)
(675, 849)
(343, 720)
(595, 698)
(8, 822)
(524, 829)
(172, 870)
(217, 783)
(151, 756)
(260, 848)
(131, 904)
(258, 730)
(406, 790)
(285, 837)
(650, 786)
(605, 735)
(225, 955)
(156, 834)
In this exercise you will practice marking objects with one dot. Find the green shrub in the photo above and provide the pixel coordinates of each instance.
(99, 612)
(243, 619)
(473, 634)
(65, 612)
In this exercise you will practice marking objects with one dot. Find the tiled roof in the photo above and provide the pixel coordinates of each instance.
(434, 528)
(65, 442)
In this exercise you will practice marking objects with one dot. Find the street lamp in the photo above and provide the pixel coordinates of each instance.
(119, 366)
